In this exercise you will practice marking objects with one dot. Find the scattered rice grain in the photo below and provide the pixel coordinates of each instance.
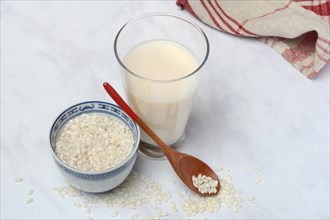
(29, 200)
(254, 205)
(77, 204)
(163, 214)
(135, 216)
(219, 169)
(30, 192)
(68, 191)
(257, 170)
(18, 180)
(114, 214)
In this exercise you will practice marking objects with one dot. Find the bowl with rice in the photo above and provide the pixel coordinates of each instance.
(94, 144)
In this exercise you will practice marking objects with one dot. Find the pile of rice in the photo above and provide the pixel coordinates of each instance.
(94, 142)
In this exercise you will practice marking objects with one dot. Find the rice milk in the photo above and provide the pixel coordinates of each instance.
(161, 92)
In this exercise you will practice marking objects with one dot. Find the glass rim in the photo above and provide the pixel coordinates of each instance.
(162, 15)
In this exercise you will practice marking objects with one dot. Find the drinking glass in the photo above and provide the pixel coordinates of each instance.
(152, 50)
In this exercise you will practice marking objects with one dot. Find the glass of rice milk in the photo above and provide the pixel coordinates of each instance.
(161, 56)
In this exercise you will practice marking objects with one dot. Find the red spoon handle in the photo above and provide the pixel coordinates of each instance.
(116, 97)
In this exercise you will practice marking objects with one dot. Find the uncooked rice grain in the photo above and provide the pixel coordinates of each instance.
(77, 204)
(29, 200)
(258, 180)
(94, 142)
(30, 192)
(171, 182)
(257, 170)
(18, 180)
(114, 214)
(135, 216)
(219, 169)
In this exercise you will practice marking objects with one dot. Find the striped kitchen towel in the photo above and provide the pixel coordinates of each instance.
(297, 29)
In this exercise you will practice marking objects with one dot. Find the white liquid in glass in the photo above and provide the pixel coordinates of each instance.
(163, 105)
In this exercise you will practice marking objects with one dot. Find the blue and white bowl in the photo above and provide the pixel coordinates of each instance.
(106, 179)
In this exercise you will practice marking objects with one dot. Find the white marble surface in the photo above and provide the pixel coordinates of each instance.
(252, 110)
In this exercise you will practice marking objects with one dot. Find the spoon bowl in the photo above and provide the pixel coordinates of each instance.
(191, 166)
(185, 165)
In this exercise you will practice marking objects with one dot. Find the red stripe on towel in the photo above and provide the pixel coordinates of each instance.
(223, 20)
(240, 26)
(211, 16)
(320, 9)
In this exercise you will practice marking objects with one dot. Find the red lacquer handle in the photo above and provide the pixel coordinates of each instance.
(116, 97)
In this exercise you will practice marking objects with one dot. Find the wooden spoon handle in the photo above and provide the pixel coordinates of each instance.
(116, 97)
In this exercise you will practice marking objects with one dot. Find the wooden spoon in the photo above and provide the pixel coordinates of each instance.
(183, 164)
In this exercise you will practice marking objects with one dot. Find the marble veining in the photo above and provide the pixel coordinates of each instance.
(252, 109)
